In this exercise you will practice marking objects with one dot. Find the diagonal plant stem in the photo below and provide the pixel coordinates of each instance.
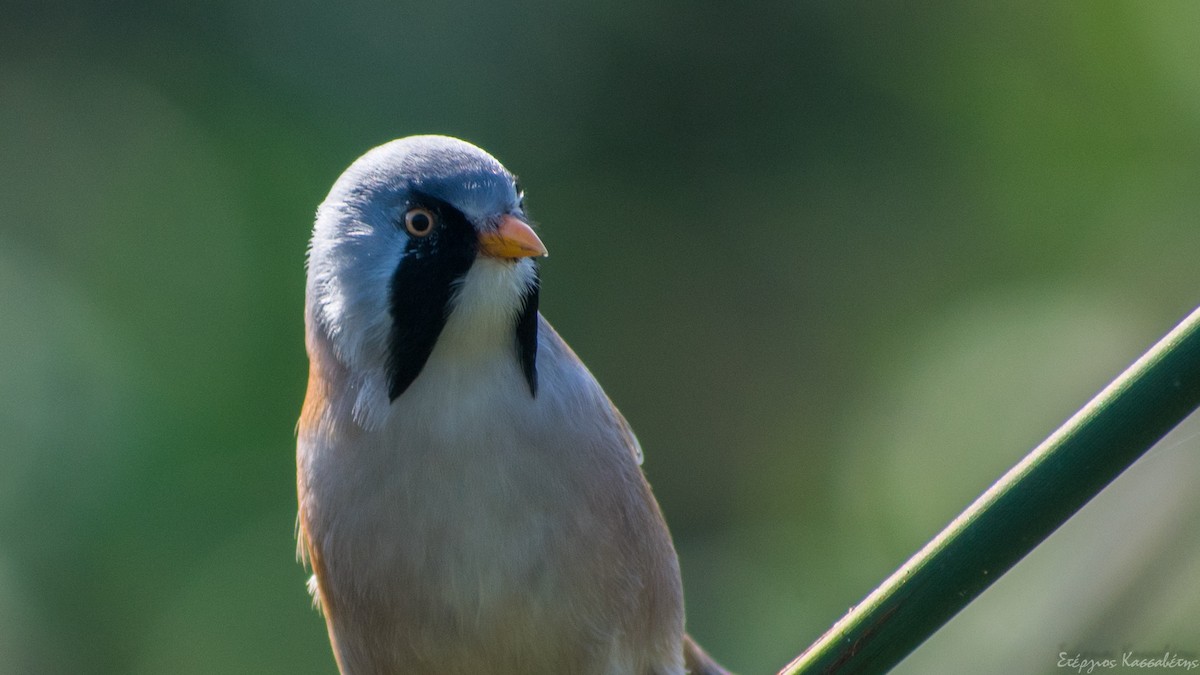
(1019, 511)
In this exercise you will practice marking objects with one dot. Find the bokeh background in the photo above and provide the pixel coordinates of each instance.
(840, 264)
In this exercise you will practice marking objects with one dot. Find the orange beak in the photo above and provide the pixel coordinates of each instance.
(511, 240)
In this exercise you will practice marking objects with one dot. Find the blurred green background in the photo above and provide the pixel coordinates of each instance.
(840, 264)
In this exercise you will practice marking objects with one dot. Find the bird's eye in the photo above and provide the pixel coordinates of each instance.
(419, 221)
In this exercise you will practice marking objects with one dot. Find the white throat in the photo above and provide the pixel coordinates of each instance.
(486, 304)
(477, 346)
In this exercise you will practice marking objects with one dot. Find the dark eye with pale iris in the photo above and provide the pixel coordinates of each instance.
(419, 221)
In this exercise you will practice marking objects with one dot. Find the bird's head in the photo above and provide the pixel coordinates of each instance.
(423, 239)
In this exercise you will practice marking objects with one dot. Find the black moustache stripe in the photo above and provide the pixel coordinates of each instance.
(527, 325)
(422, 288)
(422, 294)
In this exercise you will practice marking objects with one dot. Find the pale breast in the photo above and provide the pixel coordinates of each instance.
(481, 521)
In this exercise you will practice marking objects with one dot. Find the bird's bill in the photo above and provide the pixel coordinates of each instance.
(512, 239)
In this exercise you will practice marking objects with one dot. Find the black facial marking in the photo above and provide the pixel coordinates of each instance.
(422, 287)
(520, 193)
(527, 342)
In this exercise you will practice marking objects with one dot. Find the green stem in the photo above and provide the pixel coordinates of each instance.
(1020, 510)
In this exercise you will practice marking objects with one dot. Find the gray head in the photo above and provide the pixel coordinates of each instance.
(415, 232)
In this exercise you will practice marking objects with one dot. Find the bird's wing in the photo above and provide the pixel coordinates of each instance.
(304, 555)
(629, 437)
(558, 350)
(697, 661)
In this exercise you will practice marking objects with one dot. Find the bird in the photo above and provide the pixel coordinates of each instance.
(470, 500)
